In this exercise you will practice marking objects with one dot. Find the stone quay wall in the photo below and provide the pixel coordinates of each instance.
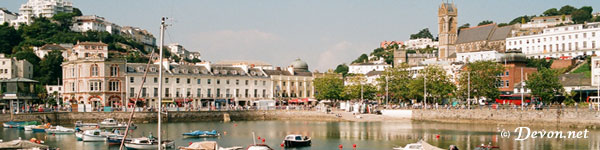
(560, 117)
(192, 116)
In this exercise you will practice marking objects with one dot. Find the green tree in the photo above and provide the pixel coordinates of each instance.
(398, 78)
(485, 22)
(580, 16)
(424, 33)
(551, 12)
(50, 66)
(329, 86)
(567, 10)
(195, 60)
(361, 59)
(77, 12)
(521, 20)
(544, 84)
(386, 54)
(439, 86)
(483, 79)
(65, 20)
(466, 25)
(9, 38)
(539, 63)
(358, 84)
(587, 9)
(502, 24)
(342, 69)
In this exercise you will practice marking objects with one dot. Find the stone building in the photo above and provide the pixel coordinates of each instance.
(448, 29)
(412, 59)
(475, 42)
(91, 77)
(13, 68)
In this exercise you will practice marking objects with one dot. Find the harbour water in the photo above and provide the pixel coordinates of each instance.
(329, 135)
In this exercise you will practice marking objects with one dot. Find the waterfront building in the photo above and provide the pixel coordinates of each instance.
(140, 35)
(364, 68)
(54, 89)
(558, 42)
(7, 16)
(91, 77)
(547, 21)
(94, 23)
(448, 30)
(295, 82)
(13, 68)
(17, 93)
(41, 8)
(514, 66)
(483, 42)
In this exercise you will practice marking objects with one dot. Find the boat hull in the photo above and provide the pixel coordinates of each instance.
(296, 143)
(167, 144)
(116, 140)
(200, 136)
(38, 129)
(93, 138)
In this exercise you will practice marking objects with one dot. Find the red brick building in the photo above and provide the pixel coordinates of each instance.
(513, 63)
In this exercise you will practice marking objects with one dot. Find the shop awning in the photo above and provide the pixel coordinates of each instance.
(167, 101)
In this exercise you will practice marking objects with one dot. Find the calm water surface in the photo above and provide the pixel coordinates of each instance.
(328, 135)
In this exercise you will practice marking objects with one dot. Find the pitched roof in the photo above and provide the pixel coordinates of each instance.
(501, 33)
(478, 33)
(19, 79)
(575, 79)
(52, 47)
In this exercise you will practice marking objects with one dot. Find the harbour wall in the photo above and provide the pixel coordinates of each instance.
(557, 117)
(149, 117)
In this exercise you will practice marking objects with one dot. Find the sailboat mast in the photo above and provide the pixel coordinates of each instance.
(160, 78)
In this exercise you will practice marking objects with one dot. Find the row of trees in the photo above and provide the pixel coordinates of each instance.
(477, 80)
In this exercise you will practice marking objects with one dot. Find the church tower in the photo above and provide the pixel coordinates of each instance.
(448, 29)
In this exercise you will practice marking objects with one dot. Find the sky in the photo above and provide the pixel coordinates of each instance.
(322, 33)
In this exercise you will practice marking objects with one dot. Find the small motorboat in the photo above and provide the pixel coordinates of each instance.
(60, 130)
(420, 145)
(92, 136)
(40, 128)
(28, 123)
(149, 142)
(79, 135)
(116, 140)
(12, 124)
(259, 147)
(486, 147)
(207, 145)
(28, 127)
(80, 124)
(295, 140)
(202, 134)
(111, 123)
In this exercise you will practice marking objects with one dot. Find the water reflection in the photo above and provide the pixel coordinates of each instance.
(328, 135)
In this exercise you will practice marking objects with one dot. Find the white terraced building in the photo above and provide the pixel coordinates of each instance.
(559, 42)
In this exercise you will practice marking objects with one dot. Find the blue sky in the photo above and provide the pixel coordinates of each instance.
(323, 33)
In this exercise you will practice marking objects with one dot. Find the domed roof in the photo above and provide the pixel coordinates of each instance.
(300, 65)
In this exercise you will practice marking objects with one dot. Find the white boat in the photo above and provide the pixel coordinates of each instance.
(93, 136)
(60, 130)
(109, 122)
(420, 145)
(80, 124)
(28, 127)
(148, 143)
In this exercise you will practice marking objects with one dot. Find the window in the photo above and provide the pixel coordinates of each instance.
(246, 94)
(255, 82)
(113, 86)
(246, 82)
(237, 93)
(95, 85)
(255, 93)
(131, 79)
(584, 44)
(131, 92)
(218, 92)
(218, 82)
(144, 93)
(208, 82)
(507, 85)
(167, 92)
(584, 35)
(299, 83)
(227, 93)
(188, 92)
(177, 92)
(198, 81)
(94, 70)
(114, 70)
(155, 92)
(208, 93)
(264, 93)
(237, 82)
(227, 81)
(166, 80)
(155, 80)
(506, 73)
(189, 81)
(264, 83)
(593, 44)
(177, 80)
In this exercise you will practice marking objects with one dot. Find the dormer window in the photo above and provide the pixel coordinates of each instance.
(153, 69)
(140, 69)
